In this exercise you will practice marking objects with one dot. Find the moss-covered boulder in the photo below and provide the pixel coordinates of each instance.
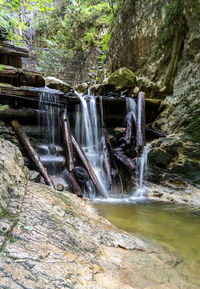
(123, 78)
(58, 84)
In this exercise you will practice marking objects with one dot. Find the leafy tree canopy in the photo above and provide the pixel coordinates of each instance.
(10, 22)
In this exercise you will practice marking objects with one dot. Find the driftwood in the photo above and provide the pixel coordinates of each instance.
(130, 128)
(33, 154)
(126, 161)
(67, 141)
(106, 159)
(87, 165)
(73, 183)
(140, 124)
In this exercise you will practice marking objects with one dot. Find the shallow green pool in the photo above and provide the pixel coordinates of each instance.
(174, 227)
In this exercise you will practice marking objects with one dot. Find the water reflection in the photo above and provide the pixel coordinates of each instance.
(175, 227)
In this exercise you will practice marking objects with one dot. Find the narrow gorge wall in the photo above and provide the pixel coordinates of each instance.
(161, 41)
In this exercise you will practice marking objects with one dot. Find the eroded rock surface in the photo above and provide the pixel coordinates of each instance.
(51, 239)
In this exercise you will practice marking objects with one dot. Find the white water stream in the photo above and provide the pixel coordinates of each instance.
(88, 132)
(141, 162)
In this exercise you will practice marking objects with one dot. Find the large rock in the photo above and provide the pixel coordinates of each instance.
(58, 84)
(81, 87)
(102, 89)
(12, 171)
(123, 78)
(175, 159)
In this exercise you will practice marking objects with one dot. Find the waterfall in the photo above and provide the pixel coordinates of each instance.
(141, 162)
(50, 131)
(88, 121)
(131, 107)
(141, 173)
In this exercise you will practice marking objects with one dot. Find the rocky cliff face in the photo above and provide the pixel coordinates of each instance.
(160, 40)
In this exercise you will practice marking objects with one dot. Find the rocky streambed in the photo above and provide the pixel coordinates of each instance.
(51, 239)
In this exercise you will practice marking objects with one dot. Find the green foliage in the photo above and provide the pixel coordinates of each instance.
(2, 107)
(78, 25)
(10, 11)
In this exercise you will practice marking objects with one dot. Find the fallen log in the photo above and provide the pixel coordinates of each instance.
(73, 183)
(126, 161)
(106, 158)
(140, 123)
(67, 141)
(130, 128)
(88, 166)
(115, 172)
(32, 152)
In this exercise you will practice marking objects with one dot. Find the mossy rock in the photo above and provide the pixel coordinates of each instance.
(123, 78)
(55, 83)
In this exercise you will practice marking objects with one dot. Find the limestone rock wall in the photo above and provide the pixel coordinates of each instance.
(160, 40)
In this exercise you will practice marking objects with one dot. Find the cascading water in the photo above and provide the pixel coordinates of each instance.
(131, 107)
(141, 173)
(141, 162)
(88, 132)
(50, 148)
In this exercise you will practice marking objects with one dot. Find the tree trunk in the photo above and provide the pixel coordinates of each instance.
(130, 128)
(127, 162)
(140, 124)
(87, 165)
(67, 141)
(73, 183)
(32, 152)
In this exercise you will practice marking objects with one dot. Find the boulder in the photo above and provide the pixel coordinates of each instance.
(123, 78)
(58, 84)
(101, 89)
(174, 158)
(81, 87)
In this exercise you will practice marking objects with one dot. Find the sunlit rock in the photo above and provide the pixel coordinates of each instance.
(122, 78)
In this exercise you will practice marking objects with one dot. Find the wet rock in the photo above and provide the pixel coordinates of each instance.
(82, 87)
(149, 87)
(174, 159)
(58, 84)
(52, 149)
(60, 187)
(102, 89)
(34, 176)
(119, 132)
(123, 78)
